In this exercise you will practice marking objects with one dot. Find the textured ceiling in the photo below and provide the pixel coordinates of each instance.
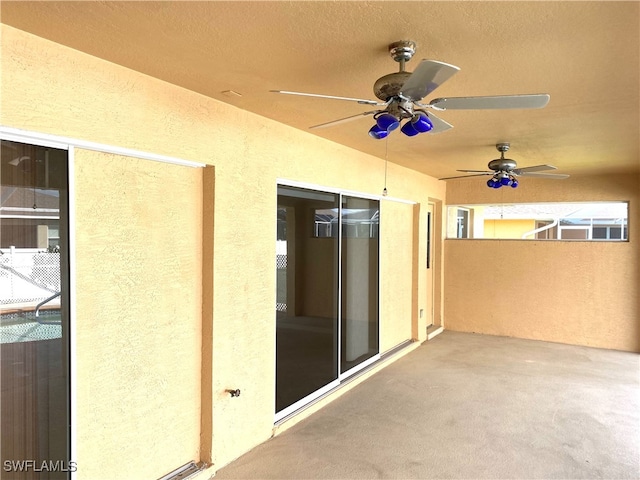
(586, 55)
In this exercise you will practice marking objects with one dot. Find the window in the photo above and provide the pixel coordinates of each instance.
(609, 233)
(459, 222)
(593, 221)
(462, 225)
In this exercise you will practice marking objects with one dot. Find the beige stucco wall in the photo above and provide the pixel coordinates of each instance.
(583, 293)
(49, 88)
(396, 304)
(138, 314)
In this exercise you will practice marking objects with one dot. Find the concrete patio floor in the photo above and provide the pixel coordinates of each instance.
(470, 406)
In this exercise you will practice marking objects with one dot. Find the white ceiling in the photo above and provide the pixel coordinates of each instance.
(586, 55)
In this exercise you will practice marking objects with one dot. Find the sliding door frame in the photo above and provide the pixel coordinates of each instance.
(48, 141)
(342, 376)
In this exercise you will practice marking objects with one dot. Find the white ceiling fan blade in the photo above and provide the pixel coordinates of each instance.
(439, 125)
(332, 97)
(498, 102)
(345, 120)
(535, 168)
(557, 176)
(468, 176)
(427, 76)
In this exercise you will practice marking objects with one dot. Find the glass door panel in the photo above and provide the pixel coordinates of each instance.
(34, 312)
(359, 339)
(307, 298)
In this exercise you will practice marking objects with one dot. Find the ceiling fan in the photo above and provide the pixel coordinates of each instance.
(400, 96)
(504, 171)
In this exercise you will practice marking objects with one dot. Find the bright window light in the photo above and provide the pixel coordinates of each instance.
(585, 221)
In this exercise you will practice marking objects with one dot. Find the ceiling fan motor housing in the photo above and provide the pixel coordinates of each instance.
(502, 165)
(390, 85)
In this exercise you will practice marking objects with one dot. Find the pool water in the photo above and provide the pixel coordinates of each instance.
(28, 329)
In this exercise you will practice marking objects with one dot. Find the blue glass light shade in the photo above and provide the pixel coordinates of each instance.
(377, 132)
(491, 182)
(505, 181)
(421, 122)
(409, 130)
(387, 122)
(514, 183)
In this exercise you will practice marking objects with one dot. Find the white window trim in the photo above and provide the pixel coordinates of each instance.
(64, 143)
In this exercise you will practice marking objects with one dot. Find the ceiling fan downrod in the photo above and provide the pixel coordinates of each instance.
(388, 87)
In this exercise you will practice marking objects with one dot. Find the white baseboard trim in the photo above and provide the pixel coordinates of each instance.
(435, 333)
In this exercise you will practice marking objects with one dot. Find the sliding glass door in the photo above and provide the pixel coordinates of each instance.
(34, 312)
(307, 288)
(327, 292)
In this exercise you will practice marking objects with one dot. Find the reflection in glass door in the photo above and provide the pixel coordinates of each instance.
(34, 312)
(359, 285)
(307, 301)
(327, 292)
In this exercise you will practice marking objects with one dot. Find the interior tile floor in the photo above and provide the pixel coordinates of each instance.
(468, 406)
